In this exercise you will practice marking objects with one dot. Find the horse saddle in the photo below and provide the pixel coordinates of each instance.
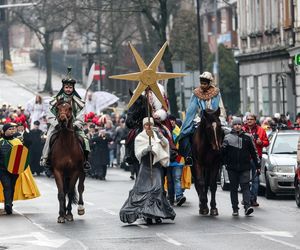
(54, 138)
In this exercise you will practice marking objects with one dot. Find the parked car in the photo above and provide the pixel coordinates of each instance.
(278, 163)
(297, 184)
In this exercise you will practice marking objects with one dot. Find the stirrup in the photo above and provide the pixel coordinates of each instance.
(86, 166)
(188, 161)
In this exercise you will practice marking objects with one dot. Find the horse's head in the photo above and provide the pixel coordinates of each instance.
(137, 112)
(211, 125)
(64, 113)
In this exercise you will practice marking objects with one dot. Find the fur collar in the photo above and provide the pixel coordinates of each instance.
(208, 94)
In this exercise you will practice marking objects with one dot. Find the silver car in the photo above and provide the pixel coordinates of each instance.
(278, 163)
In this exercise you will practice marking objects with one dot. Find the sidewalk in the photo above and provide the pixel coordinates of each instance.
(33, 79)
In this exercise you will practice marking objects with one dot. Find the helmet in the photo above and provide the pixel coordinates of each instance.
(68, 80)
(206, 77)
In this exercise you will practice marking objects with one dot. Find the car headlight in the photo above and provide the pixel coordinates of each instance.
(284, 169)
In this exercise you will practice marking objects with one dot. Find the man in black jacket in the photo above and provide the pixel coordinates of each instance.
(238, 149)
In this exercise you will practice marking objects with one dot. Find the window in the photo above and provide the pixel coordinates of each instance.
(287, 17)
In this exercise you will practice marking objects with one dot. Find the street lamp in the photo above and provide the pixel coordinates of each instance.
(199, 37)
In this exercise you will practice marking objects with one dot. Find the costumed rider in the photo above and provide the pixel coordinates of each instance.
(67, 93)
(7, 179)
(205, 96)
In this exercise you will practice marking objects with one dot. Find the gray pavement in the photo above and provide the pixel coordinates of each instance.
(274, 225)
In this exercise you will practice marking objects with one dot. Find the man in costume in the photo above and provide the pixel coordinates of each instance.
(205, 96)
(7, 179)
(68, 94)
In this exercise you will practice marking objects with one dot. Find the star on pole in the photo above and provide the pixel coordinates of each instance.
(148, 76)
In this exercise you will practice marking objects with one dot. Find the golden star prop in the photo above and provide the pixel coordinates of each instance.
(148, 76)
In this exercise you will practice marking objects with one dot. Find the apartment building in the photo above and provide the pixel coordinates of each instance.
(268, 39)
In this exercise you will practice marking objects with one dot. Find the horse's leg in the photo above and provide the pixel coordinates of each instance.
(213, 189)
(71, 195)
(200, 188)
(80, 208)
(61, 195)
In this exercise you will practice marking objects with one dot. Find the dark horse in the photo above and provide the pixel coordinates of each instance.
(134, 121)
(207, 141)
(67, 160)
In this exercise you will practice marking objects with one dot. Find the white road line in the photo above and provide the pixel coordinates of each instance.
(266, 233)
(281, 242)
(84, 247)
(108, 211)
(274, 233)
(35, 224)
(89, 203)
(168, 239)
(142, 226)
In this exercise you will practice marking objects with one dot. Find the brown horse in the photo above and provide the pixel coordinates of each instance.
(207, 141)
(67, 159)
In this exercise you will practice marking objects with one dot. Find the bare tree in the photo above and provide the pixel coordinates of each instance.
(46, 19)
(157, 12)
(109, 24)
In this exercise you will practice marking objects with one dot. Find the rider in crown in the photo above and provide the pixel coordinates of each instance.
(205, 96)
(67, 93)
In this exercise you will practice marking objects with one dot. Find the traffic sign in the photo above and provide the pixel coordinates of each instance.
(297, 59)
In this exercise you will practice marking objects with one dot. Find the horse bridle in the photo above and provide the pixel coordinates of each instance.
(68, 119)
(214, 125)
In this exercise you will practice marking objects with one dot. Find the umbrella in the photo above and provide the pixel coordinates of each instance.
(81, 92)
(104, 99)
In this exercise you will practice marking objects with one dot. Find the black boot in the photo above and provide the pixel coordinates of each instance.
(86, 164)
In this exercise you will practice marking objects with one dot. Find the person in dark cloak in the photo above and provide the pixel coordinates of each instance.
(99, 155)
(35, 143)
(147, 199)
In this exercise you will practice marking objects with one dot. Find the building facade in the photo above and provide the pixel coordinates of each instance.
(268, 39)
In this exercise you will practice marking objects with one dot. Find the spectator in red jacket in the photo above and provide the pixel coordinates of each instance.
(260, 140)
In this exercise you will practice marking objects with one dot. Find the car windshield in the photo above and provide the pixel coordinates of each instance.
(285, 144)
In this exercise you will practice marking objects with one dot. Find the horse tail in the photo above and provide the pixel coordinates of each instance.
(72, 194)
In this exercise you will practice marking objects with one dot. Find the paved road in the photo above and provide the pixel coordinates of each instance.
(12, 93)
(274, 225)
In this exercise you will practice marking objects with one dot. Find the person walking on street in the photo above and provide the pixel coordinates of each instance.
(238, 149)
(8, 180)
(260, 139)
(147, 199)
(174, 171)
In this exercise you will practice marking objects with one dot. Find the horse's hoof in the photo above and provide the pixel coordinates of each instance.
(81, 210)
(69, 217)
(61, 219)
(204, 211)
(214, 212)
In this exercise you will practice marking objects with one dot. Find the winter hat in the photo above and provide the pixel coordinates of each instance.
(7, 126)
(146, 120)
(237, 120)
(37, 123)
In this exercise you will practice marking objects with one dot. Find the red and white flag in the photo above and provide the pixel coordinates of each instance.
(94, 74)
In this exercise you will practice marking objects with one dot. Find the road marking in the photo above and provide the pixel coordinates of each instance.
(266, 233)
(281, 242)
(81, 244)
(274, 233)
(168, 239)
(37, 225)
(108, 211)
(41, 239)
(89, 203)
(142, 226)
